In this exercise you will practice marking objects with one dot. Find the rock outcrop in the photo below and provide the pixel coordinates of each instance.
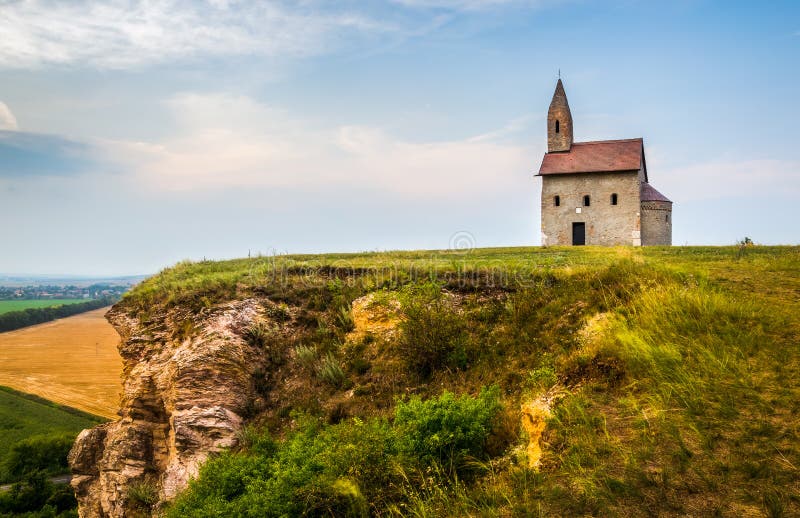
(185, 393)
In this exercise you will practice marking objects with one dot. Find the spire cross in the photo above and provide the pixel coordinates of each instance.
(559, 73)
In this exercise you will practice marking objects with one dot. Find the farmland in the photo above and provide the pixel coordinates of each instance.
(7, 306)
(72, 361)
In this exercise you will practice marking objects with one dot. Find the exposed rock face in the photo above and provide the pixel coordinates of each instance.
(534, 415)
(183, 399)
(376, 318)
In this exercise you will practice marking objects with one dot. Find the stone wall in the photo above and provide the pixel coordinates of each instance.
(606, 224)
(656, 223)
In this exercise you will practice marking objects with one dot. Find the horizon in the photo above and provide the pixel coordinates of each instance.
(134, 138)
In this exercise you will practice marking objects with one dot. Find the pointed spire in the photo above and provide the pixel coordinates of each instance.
(559, 121)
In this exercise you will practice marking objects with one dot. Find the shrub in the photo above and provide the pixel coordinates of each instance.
(542, 377)
(353, 468)
(448, 429)
(317, 471)
(47, 453)
(433, 334)
(29, 495)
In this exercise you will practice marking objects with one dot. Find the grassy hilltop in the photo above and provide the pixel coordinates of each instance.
(508, 382)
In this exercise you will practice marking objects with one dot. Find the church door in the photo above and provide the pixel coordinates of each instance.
(579, 233)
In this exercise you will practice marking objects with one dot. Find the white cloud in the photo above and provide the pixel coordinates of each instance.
(125, 33)
(7, 119)
(232, 141)
(725, 179)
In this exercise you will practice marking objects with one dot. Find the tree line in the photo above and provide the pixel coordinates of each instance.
(32, 316)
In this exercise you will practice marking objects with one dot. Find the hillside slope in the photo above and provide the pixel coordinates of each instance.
(612, 381)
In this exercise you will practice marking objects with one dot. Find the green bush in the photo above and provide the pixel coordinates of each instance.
(318, 471)
(447, 430)
(37, 497)
(47, 453)
(433, 333)
(354, 468)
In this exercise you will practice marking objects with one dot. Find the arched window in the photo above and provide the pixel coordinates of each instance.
(614, 199)
(558, 126)
(586, 200)
(557, 200)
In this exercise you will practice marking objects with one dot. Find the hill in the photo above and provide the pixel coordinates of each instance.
(498, 382)
(25, 416)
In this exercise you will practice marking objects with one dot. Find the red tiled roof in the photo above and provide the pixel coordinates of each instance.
(649, 193)
(596, 157)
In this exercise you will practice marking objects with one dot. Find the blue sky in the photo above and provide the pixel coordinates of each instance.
(136, 134)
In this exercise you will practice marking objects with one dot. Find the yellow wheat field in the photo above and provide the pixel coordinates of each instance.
(72, 361)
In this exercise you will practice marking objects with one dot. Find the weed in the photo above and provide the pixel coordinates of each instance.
(306, 357)
(258, 334)
(344, 319)
(143, 494)
(330, 371)
(279, 312)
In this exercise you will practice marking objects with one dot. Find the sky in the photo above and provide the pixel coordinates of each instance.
(135, 134)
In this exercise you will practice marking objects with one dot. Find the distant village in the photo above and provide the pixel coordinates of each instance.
(45, 292)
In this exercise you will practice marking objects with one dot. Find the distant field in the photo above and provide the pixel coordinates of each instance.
(23, 416)
(72, 361)
(6, 306)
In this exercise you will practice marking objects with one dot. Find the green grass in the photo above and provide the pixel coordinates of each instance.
(678, 367)
(7, 306)
(25, 418)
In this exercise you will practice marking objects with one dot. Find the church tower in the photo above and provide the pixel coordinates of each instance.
(559, 122)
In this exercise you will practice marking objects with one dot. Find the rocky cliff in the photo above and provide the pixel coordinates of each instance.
(187, 383)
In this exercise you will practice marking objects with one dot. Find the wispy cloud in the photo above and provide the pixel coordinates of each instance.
(465, 5)
(513, 126)
(232, 141)
(7, 119)
(30, 154)
(124, 33)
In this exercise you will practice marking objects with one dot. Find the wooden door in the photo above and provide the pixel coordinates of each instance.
(579, 233)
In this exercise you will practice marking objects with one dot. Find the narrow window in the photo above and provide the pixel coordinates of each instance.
(557, 126)
(557, 201)
(667, 218)
(586, 200)
(614, 199)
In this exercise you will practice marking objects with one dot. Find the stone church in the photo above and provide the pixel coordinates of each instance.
(598, 193)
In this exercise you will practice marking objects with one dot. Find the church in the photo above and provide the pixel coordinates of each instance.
(598, 193)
